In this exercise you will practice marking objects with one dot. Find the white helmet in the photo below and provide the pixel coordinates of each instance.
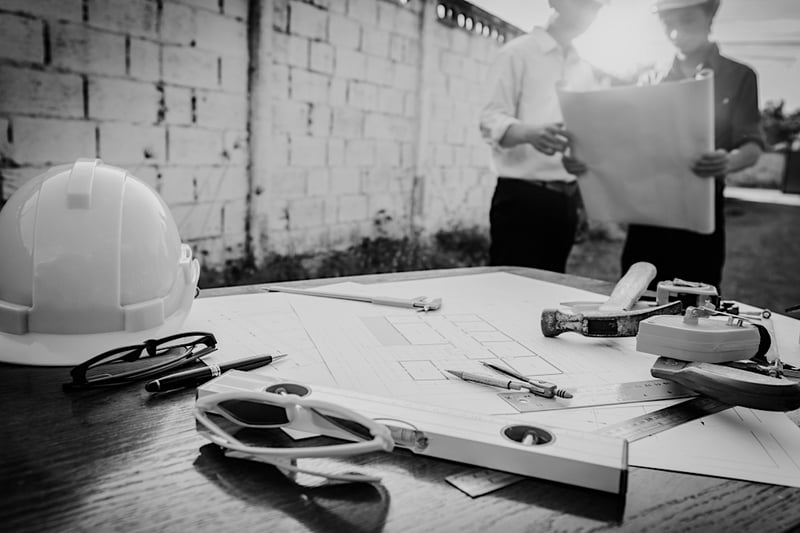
(90, 259)
(667, 5)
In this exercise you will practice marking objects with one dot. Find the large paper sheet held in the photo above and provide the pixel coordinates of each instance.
(639, 144)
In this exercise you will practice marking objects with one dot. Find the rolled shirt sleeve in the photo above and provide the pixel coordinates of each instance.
(501, 96)
(746, 121)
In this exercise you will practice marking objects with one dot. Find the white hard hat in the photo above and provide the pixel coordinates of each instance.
(91, 260)
(601, 2)
(666, 5)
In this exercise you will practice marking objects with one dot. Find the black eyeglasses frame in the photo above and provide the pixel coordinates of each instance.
(146, 349)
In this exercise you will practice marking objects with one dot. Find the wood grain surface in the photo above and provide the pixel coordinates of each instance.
(123, 460)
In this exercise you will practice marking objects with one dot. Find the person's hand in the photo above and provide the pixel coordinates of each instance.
(549, 139)
(712, 164)
(574, 166)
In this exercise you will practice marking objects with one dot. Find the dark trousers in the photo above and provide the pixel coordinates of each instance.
(678, 253)
(533, 224)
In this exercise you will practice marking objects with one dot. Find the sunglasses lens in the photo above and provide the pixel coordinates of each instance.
(183, 343)
(134, 361)
(253, 413)
(354, 428)
(121, 364)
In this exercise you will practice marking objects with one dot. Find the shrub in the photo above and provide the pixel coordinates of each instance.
(782, 130)
(457, 247)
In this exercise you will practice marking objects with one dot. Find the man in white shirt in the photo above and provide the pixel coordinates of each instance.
(534, 212)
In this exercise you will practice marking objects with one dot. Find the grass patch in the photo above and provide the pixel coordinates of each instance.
(763, 255)
(451, 248)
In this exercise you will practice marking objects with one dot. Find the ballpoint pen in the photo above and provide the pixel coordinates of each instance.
(510, 384)
(484, 379)
(196, 376)
(420, 303)
(539, 388)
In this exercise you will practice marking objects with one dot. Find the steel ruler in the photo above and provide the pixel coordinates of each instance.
(634, 391)
(648, 424)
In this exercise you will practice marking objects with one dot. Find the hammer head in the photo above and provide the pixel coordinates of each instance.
(595, 324)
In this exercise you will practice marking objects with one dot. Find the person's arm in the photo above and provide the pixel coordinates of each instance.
(498, 121)
(743, 157)
(548, 139)
(747, 134)
(721, 162)
(574, 166)
(501, 92)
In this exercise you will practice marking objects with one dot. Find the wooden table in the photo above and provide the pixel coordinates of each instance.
(123, 460)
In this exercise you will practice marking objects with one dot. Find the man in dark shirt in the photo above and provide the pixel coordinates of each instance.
(738, 140)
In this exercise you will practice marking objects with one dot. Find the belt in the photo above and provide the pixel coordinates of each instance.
(562, 187)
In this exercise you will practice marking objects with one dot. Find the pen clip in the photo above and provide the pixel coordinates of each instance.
(213, 366)
(542, 388)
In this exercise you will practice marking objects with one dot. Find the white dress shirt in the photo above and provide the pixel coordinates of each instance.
(522, 82)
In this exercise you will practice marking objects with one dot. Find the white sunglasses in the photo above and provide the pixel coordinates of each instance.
(267, 410)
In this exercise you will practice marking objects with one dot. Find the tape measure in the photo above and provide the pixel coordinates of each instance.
(631, 392)
(642, 426)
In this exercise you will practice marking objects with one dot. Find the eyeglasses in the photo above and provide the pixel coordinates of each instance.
(141, 361)
(267, 410)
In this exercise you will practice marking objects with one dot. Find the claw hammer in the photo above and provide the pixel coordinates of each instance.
(616, 317)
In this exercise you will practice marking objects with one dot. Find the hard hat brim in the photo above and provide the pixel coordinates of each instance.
(51, 349)
(669, 5)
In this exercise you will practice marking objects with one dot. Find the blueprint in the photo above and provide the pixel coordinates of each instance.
(403, 354)
(639, 144)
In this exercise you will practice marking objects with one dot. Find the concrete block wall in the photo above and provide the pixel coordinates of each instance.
(459, 183)
(158, 87)
(293, 131)
(374, 107)
(344, 121)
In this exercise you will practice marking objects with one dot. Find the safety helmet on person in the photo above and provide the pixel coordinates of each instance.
(660, 6)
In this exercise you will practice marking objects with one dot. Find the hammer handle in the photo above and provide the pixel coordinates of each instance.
(731, 385)
(629, 288)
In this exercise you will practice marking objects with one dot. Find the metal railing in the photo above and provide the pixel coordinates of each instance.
(472, 19)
